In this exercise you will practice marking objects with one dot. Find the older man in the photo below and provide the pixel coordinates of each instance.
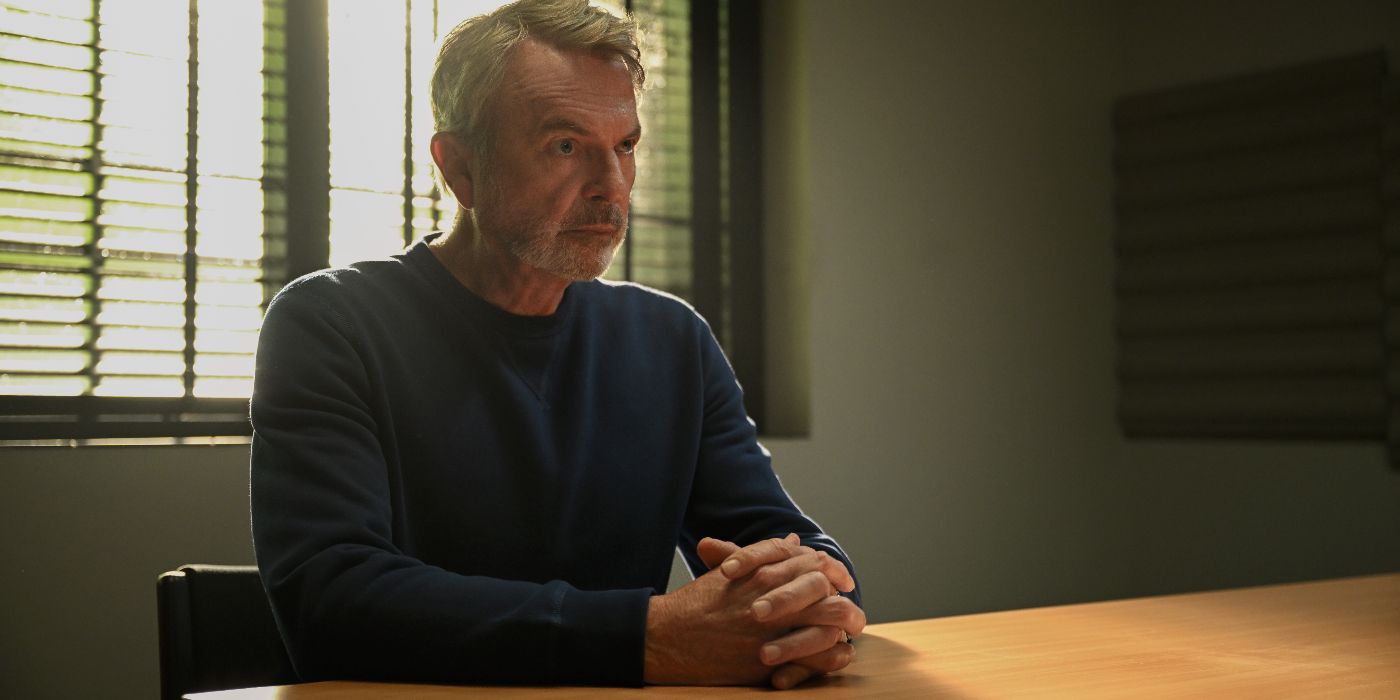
(473, 461)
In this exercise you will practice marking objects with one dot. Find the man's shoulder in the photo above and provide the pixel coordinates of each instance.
(634, 302)
(633, 295)
(357, 284)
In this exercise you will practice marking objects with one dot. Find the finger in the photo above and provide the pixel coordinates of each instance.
(833, 611)
(836, 572)
(809, 559)
(791, 597)
(799, 643)
(834, 659)
(768, 551)
(712, 551)
(790, 675)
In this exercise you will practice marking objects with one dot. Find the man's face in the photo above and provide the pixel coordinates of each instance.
(555, 189)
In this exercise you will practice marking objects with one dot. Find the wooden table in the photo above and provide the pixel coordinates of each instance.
(1336, 638)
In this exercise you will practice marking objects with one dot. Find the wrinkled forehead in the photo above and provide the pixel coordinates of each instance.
(542, 78)
(534, 62)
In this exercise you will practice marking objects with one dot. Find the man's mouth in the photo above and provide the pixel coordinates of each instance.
(602, 230)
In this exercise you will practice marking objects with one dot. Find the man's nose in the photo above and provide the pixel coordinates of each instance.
(608, 180)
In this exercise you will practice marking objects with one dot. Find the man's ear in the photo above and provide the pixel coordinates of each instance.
(455, 163)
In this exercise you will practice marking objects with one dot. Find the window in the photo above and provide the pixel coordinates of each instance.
(131, 135)
(165, 166)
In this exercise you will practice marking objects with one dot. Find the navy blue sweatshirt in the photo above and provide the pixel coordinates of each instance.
(443, 491)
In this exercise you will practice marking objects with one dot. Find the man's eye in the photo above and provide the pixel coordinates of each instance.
(627, 146)
(565, 146)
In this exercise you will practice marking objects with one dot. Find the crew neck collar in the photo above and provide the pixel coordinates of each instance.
(422, 258)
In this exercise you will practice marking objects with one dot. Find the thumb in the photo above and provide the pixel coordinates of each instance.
(712, 551)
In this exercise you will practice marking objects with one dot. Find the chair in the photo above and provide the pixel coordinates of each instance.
(217, 631)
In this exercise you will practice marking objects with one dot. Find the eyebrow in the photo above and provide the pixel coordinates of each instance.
(562, 124)
(565, 124)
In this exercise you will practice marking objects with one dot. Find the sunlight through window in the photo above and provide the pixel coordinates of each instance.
(143, 194)
(95, 164)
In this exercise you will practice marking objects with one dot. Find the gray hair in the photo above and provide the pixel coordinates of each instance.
(472, 59)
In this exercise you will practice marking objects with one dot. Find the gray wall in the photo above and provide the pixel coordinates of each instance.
(958, 233)
(955, 198)
(940, 196)
(1207, 515)
(86, 533)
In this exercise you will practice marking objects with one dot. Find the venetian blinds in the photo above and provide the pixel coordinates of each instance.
(1249, 255)
(658, 251)
(141, 212)
(1390, 194)
(166, 165)
(382, 195)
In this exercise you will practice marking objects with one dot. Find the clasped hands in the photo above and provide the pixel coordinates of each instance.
(767, 612)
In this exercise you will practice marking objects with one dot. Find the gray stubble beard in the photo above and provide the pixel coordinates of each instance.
(541, 249)
(539, 242)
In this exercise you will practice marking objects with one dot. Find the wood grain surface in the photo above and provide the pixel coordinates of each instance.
(1338, 639)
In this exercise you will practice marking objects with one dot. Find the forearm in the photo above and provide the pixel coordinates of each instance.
(736, 496)
(352, 603)
(351, 612)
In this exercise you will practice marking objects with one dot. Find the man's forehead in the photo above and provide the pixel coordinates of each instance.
(535, 66)
(554, 89)
(550, 112)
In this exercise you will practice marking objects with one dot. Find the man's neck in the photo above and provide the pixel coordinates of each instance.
(494, 274)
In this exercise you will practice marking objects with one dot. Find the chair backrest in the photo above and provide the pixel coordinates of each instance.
(217, 631)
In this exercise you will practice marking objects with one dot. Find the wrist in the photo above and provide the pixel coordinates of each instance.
(656, 659)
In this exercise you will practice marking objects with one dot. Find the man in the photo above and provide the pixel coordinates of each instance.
(473, 461)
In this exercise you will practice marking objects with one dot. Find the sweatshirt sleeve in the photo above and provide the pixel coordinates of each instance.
(736, 496)
(348, 601)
